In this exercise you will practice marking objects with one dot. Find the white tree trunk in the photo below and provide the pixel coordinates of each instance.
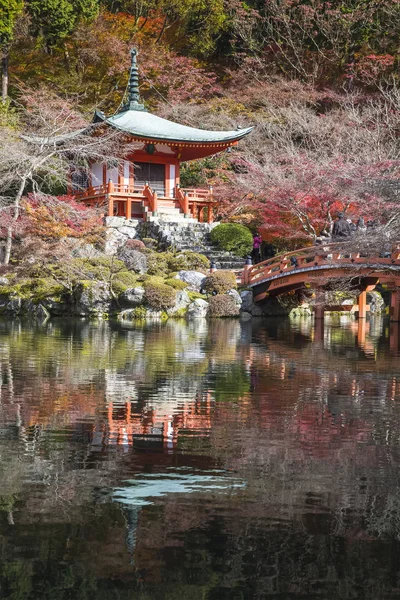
(4, 76)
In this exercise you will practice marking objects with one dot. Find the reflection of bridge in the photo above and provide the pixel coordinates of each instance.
(316, 267)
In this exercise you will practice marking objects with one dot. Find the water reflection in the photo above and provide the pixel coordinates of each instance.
(292, 431)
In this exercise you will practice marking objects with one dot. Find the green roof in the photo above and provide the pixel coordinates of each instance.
(145, 125)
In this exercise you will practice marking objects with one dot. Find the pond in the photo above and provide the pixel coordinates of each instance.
(208, 460)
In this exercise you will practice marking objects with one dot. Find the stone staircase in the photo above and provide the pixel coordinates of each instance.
(169, 212)
(189, 234)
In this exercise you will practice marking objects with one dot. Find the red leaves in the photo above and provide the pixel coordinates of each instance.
(54, 218)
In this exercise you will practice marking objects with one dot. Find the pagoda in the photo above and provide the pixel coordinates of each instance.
(146, 182)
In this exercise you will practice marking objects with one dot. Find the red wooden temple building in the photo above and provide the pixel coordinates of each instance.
(147, 182)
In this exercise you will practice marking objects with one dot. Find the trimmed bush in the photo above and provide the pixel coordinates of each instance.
(135, 245)
(157, 263)
(222, 306)
(165, 263)
(123, 281)
(233, 237)
(177, 284)
(189, 261)
(219, 282)
(159, 296)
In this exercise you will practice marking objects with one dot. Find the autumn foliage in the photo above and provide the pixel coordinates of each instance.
(53, 218)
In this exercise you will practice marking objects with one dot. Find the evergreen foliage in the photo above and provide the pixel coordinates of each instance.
(10, 10)
(54, 20)
(233, 237)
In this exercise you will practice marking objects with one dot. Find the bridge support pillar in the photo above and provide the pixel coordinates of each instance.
(395, 306)
(362, 305)
(319, 330)
(319, 311)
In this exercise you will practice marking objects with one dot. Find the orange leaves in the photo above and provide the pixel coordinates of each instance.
(52, 219)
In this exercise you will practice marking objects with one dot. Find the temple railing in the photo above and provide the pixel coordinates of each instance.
(151, 197)
(195, 202)
(198, 194)
(109, 188)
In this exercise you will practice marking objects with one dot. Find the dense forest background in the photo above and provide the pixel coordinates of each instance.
(318, 80)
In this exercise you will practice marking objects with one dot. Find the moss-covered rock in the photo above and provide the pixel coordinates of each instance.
(93, 298)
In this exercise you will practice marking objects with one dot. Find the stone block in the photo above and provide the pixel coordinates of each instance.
(197, 309)
(194, 279)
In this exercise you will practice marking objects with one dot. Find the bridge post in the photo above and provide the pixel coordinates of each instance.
(395, 306)
(319, 330)
(362, 305)
(246, 269)
(319, 311)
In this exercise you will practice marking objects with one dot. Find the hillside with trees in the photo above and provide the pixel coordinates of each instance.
(318, 80)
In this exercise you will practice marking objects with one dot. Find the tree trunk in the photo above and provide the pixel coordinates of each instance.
(7, 250)
(10, 228)
(4, 75)
(67, 59)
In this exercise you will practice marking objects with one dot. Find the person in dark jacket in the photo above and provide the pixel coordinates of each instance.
(341, 228)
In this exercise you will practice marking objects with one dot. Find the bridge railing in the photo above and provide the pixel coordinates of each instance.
(315, 256)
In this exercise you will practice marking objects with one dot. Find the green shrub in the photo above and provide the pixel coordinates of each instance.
(159, 296)
(177, 284)
(151, 279)
(219, 282)
(45, 288)
(222, 306)
(123, 281)
(150, 243)
(233, 237)
(196, 296)
(194, 261)
(157, 263)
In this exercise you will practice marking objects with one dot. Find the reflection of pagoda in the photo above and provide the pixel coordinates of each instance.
(147, 180)
(151, 428)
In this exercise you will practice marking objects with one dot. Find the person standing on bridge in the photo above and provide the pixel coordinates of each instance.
(341, 228)
(256, 253)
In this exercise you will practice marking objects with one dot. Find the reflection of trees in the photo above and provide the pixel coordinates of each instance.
(312, 429)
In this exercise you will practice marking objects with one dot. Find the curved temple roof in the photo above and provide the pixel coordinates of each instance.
(148, 126)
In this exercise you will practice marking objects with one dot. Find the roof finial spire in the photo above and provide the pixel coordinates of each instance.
(133, 86)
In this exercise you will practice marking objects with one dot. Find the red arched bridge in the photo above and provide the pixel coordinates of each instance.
(319, 266)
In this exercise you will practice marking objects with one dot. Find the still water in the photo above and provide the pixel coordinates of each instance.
(204, 461)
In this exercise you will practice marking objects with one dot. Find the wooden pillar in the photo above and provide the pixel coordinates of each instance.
(395, 306)
(246, 272)
(319, 327)
(210, 216)
(186, 205)
(155, 204)
(319, 311)
(362, 305)
(128, 214)
(361, 331)
(110, 206)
